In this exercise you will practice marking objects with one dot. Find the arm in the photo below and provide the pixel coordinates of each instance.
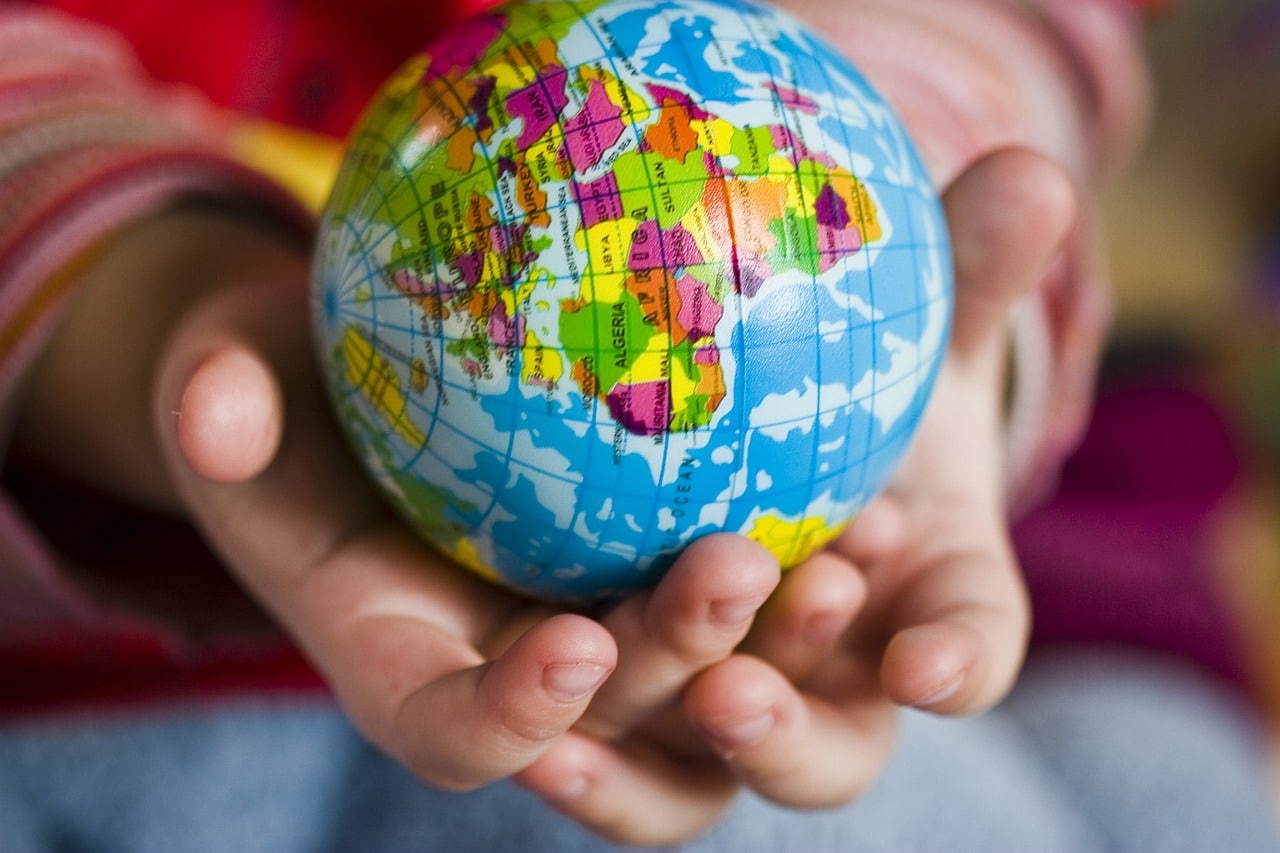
(87, 146)
(464, 684)
(179, 323)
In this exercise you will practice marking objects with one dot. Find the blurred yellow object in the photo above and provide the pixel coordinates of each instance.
(304, 163)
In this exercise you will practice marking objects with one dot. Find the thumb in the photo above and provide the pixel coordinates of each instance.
(231, 415)
(1010, 214)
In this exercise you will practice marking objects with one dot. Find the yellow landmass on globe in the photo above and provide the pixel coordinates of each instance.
(517, 67)
(545, 157)
(715, 135)
(864, 207)
(683, 387)
(521, 294)
(792, 541)
(464, 552)
(542, 365)
(783, 172)
(376, 379)
(635, 108)
(700, 227)
(607, 245)
(655, 363)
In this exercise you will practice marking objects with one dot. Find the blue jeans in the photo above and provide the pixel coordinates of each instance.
(1095, 750)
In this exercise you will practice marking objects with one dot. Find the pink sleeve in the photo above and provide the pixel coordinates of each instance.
(87, 145)
(1065, 78)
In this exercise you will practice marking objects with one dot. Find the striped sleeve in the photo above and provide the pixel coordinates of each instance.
(87, 145)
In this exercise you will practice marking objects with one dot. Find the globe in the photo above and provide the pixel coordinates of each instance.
(600, 277)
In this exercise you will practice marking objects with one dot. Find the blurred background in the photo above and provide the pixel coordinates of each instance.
(1179, 481)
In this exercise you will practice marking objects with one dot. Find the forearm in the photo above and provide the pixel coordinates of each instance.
(88, 147)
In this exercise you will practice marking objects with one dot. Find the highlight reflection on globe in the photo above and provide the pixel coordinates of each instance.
(600, 277)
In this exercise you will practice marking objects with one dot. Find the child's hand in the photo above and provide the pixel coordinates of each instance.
(946, 600)
(466, 684)
(919, 603)
(190, 343)
(945, 623)
(190, 339)
(805, 715)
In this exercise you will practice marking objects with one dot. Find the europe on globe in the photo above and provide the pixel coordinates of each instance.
(600, 277)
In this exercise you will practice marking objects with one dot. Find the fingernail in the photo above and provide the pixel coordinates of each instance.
(823, 629)
(942, 693)
(734, 611)
(728, 738)
(569, 682)
(572, 788)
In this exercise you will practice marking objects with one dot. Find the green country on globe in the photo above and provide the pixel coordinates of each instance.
(600, 277)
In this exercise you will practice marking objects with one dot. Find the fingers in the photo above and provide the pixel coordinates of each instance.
(696, 616)
(394, 629)
(630, 794)
(966, 625)
(799, 716)
(478, 723)
(798, 751)
(676, 648)
(1010, 214)
(949, 613)
(308, 500)
(631, 756)
(946, 609)
(231, 417)
(803, 751)
(955, 614)
(799, 629)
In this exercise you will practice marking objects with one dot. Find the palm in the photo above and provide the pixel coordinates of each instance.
(465, 684)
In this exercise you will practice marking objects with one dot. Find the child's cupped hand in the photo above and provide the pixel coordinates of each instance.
(193, 334)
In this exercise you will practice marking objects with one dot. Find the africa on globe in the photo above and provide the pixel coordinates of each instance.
(600, 277)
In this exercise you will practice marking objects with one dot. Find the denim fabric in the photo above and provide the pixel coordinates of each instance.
(1094, 751)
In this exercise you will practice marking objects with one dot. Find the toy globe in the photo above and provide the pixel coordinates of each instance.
(598, 278)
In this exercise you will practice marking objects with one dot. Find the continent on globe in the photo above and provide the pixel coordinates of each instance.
(599, 277)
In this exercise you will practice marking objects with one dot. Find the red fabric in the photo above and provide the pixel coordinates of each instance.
(307, 63)
(125, 670)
